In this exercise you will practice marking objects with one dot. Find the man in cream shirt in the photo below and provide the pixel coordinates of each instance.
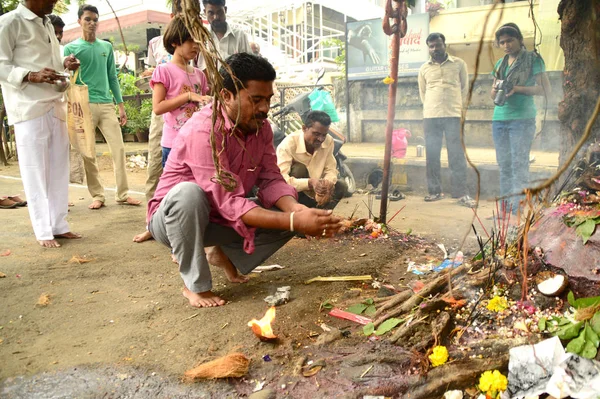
(306, 162)
(30, 61)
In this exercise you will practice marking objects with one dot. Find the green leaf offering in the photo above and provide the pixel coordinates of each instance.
(388, 325)
(370, 310)
(591, 336)
(542, 324)
(357, 308)
(569, 331)
(369, 329)
(586, 229)
(582, 302)
(576, 345)
(595, 322)
(589, 351)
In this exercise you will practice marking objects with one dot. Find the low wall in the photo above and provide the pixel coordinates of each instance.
(368, 112)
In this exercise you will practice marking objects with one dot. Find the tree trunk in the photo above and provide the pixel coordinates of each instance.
(580, 41)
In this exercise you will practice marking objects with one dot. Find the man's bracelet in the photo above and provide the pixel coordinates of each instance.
(292, 222)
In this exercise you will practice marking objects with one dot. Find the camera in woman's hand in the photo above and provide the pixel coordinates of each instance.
(502, 87)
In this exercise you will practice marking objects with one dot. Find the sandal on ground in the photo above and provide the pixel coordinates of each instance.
(434, 197)
(6, 203)
(395, 196)
(18, 200)
(466, 201)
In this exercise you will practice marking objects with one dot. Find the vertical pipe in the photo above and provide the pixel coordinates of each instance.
(321, 31)
(304, 35)
(348, 135)
(391, 113)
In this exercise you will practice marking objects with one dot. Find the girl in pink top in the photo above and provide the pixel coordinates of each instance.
(178, 89)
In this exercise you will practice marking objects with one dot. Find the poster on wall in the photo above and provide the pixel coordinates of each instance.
(368, 48)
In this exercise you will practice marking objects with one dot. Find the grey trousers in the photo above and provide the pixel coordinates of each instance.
(181, 222)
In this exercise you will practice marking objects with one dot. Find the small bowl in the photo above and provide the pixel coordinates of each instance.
(63, 83)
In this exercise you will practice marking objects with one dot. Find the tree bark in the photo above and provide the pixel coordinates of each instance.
(580, 41)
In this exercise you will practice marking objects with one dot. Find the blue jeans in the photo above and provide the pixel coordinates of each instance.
(512, 140)
(165, 155)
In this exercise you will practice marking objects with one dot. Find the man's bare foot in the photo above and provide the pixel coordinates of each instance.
(145, 236)
(203, 299)
(129, 201)
(174, 259)
(49, 243)
(69, 235)
(217, 257)
(97, 204)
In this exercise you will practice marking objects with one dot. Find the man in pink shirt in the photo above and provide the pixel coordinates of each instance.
(192, 210)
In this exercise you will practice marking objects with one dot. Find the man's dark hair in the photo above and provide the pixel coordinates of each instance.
(509, 29)
(434, 36)
(56, 20)
(214, 2)
(317, 116)
(87, 7)
(246, 67)
(176, 33)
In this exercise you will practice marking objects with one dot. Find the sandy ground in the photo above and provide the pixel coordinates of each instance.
(122, 313)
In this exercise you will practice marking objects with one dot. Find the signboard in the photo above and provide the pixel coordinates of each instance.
(368, 52)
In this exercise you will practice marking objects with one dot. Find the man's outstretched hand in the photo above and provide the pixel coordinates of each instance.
(316, 222)
(71, 63)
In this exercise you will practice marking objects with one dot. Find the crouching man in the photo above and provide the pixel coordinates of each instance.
(306, 161)
(198, 205)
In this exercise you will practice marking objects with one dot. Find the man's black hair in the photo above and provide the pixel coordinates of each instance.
(434, 36)
(87, 7)
(509, 29)
(214, 2)
(56, 20)
(246, 67)
(317, 116)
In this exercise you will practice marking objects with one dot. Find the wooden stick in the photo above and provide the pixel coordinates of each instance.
(394, 300)
(430, 288)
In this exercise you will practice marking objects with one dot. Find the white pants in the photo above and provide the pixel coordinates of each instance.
(43, 148)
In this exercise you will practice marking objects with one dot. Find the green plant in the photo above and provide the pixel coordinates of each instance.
(138, 118)
(127, 83)
(340, 59)
(583, 333)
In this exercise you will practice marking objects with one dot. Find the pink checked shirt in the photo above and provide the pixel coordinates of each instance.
(191, 160)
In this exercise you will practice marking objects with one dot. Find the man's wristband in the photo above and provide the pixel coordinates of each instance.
(292, 222)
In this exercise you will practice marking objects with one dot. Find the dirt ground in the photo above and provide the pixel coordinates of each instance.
(123, 309)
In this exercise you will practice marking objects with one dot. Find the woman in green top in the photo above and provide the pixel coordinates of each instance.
(518, 76)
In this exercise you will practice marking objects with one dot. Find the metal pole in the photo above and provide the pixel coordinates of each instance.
(397, 11)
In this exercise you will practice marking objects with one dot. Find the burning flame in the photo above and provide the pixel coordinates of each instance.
(262, 328)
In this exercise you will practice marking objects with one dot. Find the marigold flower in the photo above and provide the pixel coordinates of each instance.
(439, 356)
(497, 304)
(388, 80)
(492, 383)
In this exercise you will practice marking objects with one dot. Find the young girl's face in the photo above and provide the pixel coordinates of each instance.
(511, 45)
(189, 50)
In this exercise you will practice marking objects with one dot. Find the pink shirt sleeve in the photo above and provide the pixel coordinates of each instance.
(160, 75)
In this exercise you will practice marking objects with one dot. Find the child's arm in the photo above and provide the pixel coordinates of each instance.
(160, 105)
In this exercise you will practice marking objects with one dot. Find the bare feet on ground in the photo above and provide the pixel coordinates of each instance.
(174, 259)
(205, 299)
(217, 257)
(49, 243)
(54, 244)
(145, 236)
(129, 201)
(97, 204)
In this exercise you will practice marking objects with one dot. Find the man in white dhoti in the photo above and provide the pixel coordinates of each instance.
(30, 62)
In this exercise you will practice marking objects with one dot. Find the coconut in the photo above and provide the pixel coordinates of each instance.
(552, 284)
